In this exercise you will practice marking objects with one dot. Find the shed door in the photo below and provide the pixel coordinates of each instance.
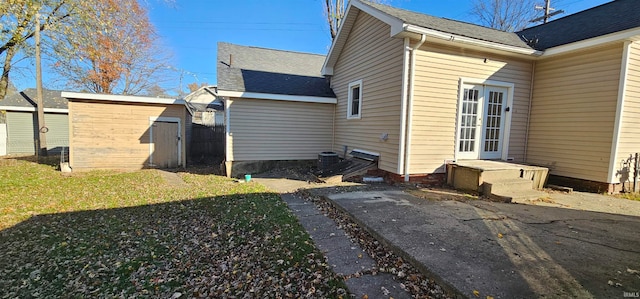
(481, 122)
(166, 140)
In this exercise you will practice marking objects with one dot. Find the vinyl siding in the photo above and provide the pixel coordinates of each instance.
(372, 56)
(278, 130)
(21, 132)
(113, 135)
(436, 92)
(573, 112)
(629, 138)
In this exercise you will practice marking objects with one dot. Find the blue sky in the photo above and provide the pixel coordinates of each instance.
(190, 29)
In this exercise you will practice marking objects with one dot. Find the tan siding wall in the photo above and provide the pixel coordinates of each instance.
(629, 138)
(371, 55)
(110, 135)
(438, 73)
(573, 112)
(278, 130)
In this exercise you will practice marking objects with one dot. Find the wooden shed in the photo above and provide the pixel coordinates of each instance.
(125, 132)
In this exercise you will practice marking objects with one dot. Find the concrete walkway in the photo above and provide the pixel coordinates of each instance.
(482, 249)
(345, 256)
(589, 202)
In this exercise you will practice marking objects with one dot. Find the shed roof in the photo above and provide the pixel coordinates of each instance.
(601, 20)
(269, 71)
(72, 96)
(27, 99)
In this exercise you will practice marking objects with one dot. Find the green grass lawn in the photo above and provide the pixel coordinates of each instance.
(113, 234)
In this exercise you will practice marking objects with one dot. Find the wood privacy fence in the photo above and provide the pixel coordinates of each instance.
(207, 143)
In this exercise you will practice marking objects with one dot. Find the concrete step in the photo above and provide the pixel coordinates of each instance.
(519, 197)
(506, 186)
(494, 175)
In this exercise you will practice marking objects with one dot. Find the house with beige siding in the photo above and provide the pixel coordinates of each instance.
(421, 93)
(125, 132)
(278, 107)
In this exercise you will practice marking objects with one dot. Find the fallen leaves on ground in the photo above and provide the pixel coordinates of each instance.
(106, 234)
(409, 277)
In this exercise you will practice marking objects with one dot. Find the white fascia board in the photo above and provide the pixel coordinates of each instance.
(626, 35)
(120, 98)
(471, 41)
(32, 109)
(276, 97)
(397, 27)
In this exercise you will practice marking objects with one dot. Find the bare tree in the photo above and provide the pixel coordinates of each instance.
(335, 12)
(505, 15)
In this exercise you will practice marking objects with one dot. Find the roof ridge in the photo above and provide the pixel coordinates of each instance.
(272, 49)
(372, 4)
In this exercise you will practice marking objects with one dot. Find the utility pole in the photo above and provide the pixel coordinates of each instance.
(548, 12)
(42, 129)
(547, 9)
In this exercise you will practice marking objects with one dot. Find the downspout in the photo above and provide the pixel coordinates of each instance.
(526, 133)
(333, 124)
(403, 100)
(412, 77)
(227, 135)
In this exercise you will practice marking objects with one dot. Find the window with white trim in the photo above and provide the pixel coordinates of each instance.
(354, 106)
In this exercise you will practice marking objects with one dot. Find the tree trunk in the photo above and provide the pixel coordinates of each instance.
(4, 79)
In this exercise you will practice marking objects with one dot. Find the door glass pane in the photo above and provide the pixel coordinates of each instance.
(468, 119)
(493, 121)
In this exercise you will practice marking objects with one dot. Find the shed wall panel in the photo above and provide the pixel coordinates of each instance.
(262, 130)
(114, 135)
(573, 112)
(372, 56)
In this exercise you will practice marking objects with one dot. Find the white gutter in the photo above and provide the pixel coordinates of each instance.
(630, 35)
(403, 100)
(622, 90)
(470, 41)
(276, 97)
(33, 109)
(412, 78)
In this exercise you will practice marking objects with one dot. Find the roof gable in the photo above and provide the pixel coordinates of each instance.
(601, 20)
(406, 23)
(451, 26)
(269, 71)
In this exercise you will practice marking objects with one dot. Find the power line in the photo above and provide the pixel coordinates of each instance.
(548, 12)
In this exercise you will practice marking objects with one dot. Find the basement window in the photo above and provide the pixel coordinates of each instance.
(354, 106)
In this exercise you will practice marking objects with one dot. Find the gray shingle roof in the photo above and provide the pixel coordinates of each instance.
(27, 98)
(608, 18)
(451, 26)
(260, 70)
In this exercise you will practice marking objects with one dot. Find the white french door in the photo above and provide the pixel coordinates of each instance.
(481, 122)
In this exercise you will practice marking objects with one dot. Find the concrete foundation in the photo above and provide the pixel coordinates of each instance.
(237, 169)
(588, 186)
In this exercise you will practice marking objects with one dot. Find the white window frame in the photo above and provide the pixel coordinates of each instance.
(350, 100)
